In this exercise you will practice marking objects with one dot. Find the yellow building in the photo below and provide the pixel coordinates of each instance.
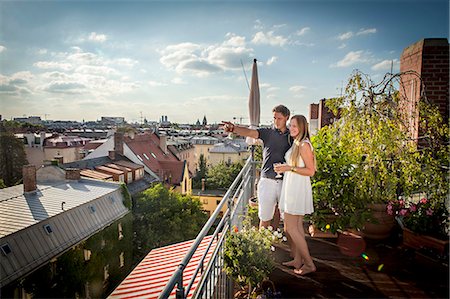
(229, 151)
(210, 199)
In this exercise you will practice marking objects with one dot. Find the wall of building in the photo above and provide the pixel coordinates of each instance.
(429, 58)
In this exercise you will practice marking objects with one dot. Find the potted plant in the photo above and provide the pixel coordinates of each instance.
(248, 257)
(424, 221)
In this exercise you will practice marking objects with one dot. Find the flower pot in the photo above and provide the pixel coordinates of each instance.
(381, 226)
(317, 233)
(416, 241)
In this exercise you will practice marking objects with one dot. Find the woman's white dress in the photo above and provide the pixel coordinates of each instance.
(296, 192)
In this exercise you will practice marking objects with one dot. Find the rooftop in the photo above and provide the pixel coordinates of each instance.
(19, 210)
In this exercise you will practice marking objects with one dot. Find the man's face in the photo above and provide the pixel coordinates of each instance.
(279, 120)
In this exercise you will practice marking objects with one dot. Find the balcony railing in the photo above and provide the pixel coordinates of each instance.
(213, 283)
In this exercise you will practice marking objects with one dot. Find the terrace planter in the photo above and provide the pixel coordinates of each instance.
(416, 241)
(382, 224)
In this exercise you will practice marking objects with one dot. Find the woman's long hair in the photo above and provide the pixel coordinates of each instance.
(303, 135)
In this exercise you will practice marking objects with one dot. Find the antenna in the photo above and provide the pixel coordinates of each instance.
(248, 85)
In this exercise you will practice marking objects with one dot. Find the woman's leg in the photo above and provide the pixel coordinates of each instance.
(292, 263)
(298, 237)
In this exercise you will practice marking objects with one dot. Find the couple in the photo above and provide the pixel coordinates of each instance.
(286, 151)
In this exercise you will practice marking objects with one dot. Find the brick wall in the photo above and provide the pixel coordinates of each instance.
(29, 178)
(430, 59)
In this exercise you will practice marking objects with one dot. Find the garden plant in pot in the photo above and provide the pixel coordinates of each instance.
(248, 258)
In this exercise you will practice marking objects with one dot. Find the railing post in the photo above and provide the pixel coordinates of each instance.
(253, 172)
(179, 294)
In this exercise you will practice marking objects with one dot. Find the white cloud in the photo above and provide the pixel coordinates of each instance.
(64, 87)
(272, 89)
(203, 60)
(126, 62)
(156, 83)
(297, 88)
(352, 58)
(363, 31)
(178, 80)
(42, 51)
(234, 40)
(53, 65)
(258, 25)
(385, 65)
(2, 48)
(345, 36)
(303, 31)
(272, 60)
(342, 46)
(96, 37)
(269, 38)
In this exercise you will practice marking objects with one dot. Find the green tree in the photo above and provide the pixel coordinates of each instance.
(201, 172)
(222, 175)
(12, 158)
(164, 217)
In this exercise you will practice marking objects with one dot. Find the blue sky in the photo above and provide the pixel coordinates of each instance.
(76, 60)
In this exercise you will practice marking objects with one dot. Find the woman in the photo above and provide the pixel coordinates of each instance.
(296, 193)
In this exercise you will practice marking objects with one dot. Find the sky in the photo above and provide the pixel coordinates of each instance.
(81, 60)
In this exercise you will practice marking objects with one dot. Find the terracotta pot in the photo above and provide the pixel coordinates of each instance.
(416, 241)
(381, 226)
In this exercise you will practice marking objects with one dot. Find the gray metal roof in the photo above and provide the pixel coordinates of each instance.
(19, 210)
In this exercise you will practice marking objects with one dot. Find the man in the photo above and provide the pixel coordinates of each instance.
(277, 141)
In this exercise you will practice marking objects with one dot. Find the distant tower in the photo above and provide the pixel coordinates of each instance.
(197, 123)
(204, 121)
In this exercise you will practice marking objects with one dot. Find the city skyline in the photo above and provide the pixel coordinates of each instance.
(75, 60)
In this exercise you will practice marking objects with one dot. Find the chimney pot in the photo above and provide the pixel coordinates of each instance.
(73, 174)
(29, 178)
(112, 155)
(118, 143)
(203, 184)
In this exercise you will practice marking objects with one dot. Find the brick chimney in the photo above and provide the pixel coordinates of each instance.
(163, 143)
(118, 143)
(73, 174)
(29, 178)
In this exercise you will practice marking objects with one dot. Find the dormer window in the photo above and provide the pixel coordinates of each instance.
(6, 249)
(48, 229)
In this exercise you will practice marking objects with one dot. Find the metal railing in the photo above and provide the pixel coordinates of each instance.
(214, 283)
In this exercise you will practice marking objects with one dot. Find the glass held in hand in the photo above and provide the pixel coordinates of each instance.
(278, 176)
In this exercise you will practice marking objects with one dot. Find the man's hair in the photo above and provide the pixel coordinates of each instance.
(282, 109)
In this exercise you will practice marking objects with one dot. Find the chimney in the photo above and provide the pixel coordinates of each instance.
(42, 138)
(203, 184)
(73, 174)
(29, 178)
(112, 155)
(118, 143)
(163, 143)
(59, 159)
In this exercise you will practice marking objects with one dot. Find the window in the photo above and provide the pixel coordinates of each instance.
(112, 199)
(92, 209)
(153, 155)
(6, 249)
(87, 254)
(48, 229)
(146, 157)
(121, 260)
(139, 157)
(119, 227)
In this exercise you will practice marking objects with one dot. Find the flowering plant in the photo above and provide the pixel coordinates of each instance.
(423, 216)
(247, 255)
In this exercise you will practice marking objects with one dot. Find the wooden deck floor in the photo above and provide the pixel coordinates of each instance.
(387, 271)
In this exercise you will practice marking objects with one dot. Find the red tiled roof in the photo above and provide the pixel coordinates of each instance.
(146, 147)
(151, 275)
